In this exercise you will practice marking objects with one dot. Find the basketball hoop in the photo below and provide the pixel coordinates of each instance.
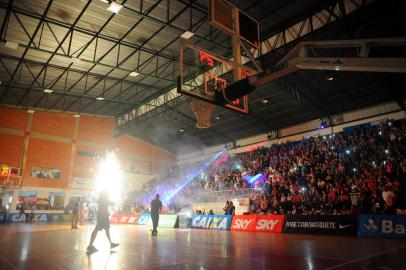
(203, 113)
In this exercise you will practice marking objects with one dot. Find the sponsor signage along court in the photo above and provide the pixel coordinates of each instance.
(346, 225)
(243, 223)
(125, 218)
(212, 222)
(143, 219)
(382, 226)
(166, 221)
(265, 223)
(272, 223)
(22, 218)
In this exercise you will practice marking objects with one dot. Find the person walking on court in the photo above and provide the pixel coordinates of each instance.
(103, 222)
(75, 214)
(156, 206)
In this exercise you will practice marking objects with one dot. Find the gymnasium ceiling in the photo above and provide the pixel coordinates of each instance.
(81, 51)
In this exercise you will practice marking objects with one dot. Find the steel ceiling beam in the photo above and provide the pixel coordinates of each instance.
(85, 31)
(106, 53)
(59, 46)
(59, 92)
(190, 5)
(200, 23)
(143, 44)
(279, 40)
(26, 49)
(132, 83)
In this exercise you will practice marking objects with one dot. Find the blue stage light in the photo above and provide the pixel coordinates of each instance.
(251, 179)
(172, 193)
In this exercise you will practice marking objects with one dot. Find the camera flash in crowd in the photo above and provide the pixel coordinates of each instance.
(386, 151)
(348, 151)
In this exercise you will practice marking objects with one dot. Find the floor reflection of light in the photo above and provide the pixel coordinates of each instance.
(25, 248)
(224, 252)
(309, 261)
(104, 259)
(309, 254)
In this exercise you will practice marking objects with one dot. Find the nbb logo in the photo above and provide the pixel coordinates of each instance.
(211, 222)
(388, 226)
(385, 225)
(272, 223)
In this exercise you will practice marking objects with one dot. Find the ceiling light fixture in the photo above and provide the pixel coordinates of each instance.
(11, 45)
(100, 98)
(48, 91)
(133, 74)
(187, 35)
(115, 7)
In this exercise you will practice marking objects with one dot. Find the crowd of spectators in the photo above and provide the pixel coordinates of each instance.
(359, 170)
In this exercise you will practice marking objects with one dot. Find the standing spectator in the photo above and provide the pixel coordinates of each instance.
(75, 214)
(3, 211)
(231, 209)
(226, 208)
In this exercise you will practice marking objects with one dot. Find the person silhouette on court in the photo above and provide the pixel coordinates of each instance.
(103, 222)
(156, 206)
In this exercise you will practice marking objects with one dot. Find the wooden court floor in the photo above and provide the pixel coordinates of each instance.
(58, 247)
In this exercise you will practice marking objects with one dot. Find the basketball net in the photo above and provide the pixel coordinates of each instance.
(203, 113)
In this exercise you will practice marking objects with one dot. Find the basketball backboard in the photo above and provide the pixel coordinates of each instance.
(204, 74)
(221, 17)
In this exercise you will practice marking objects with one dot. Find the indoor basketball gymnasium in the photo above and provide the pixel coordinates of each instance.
(202, 134)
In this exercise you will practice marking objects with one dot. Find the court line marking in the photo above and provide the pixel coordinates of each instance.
(364, 258)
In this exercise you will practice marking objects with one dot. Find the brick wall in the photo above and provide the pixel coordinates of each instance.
(53, 143)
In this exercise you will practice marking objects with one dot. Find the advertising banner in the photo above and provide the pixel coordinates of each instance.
(185, 221)
(243, 223)
(22, 218)
(83, 183)
(166, 221)
(45, 173)
(143, 219)
(382, 226)
(265, 223)
(125, 218)
(346, 225)
(271, 223)
(212, 222)
(61, 218)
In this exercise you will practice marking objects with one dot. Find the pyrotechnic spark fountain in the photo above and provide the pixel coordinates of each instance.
(172, 193)
(109, 177)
